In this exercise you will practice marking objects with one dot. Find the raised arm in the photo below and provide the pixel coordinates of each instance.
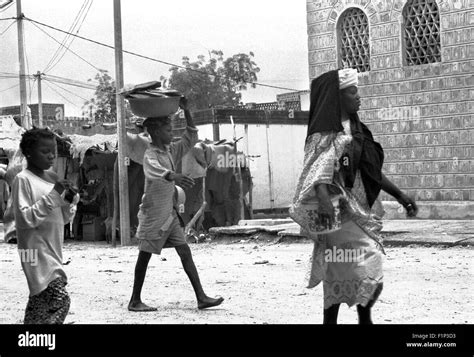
(187, 114)
(188, 139)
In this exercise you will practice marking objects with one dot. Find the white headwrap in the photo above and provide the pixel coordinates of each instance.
(348, 78)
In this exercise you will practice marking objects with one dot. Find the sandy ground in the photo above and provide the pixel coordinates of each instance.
(261, 280)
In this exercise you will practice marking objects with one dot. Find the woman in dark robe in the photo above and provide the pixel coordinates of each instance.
(341, 181)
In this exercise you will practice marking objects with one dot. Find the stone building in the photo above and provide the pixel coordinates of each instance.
(416, 62)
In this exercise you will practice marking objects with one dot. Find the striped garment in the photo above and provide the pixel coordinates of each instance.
(156, 210)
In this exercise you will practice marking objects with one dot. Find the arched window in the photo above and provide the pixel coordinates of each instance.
(422, 37)
(354, 50)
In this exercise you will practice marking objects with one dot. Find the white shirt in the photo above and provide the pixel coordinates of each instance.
(40, 214)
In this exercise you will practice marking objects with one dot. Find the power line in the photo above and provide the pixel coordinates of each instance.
(285, 80)
(51, 78)
(58, 50)
(47, 34)
(58, 93)
(61, 87)
(73, 38)
(1, 34)
(71, 82)
(31, 92)
(27, 65)
(4, 90)
(7, 6)
(12, 75)
(153, 59)
(83, 14)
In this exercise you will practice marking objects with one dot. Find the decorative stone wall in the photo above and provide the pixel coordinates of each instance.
(421, 114)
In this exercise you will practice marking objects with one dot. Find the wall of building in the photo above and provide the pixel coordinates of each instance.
(51, 111)
(276, 159)
(422, 115)
(79, 126)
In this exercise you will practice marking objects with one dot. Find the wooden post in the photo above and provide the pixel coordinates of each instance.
(115, 216)
(122, 158)
(251, 197)
(247, 162)
(270, 171)
(40, 100)
(215, 126)
(25, 123)
(239, 172)
(116, 204)
(107, 192)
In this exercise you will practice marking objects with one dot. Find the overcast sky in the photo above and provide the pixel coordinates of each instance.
(167, 30)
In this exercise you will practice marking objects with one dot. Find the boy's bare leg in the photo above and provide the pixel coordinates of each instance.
(204, 301)
(136, 303)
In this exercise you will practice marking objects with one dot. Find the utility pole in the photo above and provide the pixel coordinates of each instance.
(238, 170)
(270, 169)
(123, 160)
(21, 56)
(40, 100)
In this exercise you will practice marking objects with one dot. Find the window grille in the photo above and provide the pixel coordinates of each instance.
(354, 40)
(267, 106)
(422, 32)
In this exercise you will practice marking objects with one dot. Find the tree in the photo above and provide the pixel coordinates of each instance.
(104, 105)
(214, 81)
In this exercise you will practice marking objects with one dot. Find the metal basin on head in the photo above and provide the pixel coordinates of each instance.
(152, 107)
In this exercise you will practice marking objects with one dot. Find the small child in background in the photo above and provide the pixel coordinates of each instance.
(42, 204)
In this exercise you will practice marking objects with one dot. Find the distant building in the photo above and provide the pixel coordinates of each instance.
(51, 112)
(54, 118)
(297, 101)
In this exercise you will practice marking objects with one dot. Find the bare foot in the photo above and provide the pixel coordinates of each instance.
(209, 302)
(140, 307)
